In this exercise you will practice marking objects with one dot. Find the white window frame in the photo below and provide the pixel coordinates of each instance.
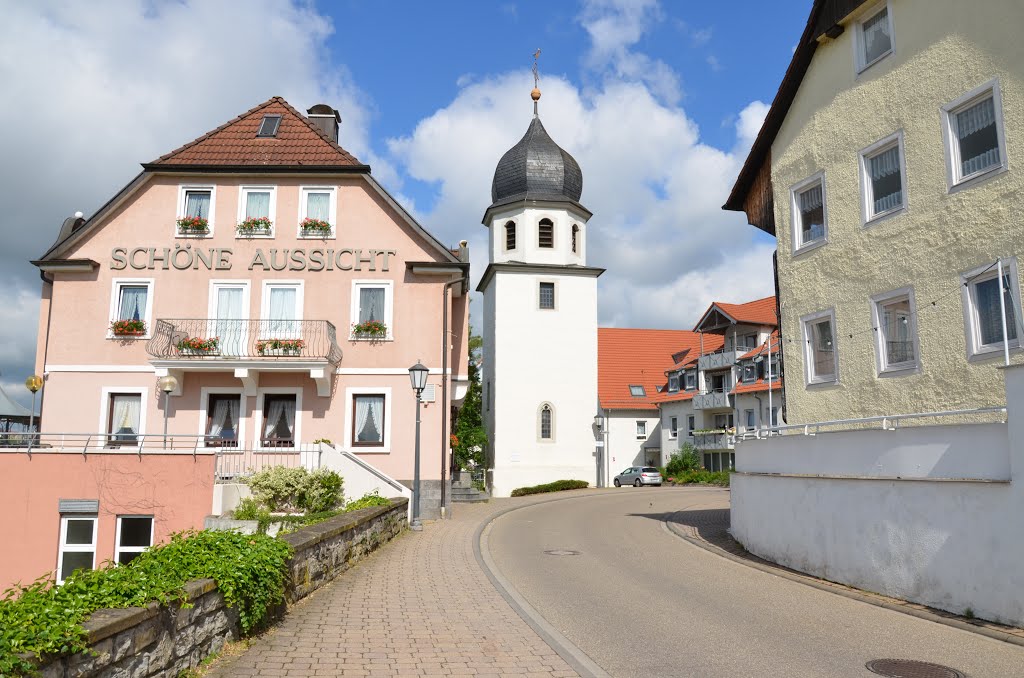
(691, 424)
(673, 428)
(867, 198)
(881, 355)
(115, 298)
(671, 388)
(118, 549)
(954, 179)
(690, 381)
(975, 349)
(63, 547)
(805, 324)
(749, 414)
(389, 308)
(858, 41)
(180, 212)
(105, 394)
(350, 394)
(299, 286)
(332, 212)
(204, 404)
(540, 410)
(799, 247)
(641, 429)
(257, 416)
(243, 192)
(554, 295)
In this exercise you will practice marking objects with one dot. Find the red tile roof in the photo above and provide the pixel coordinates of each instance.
(759, 385)
(298, 143)
(757, 312)
(628, 357)
(763, 348)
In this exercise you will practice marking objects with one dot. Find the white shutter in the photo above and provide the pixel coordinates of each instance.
(429, 395)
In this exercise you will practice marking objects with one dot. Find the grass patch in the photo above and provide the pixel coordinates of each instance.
(556, 486)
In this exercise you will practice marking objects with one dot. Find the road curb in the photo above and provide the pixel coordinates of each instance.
(852, 594)
(580, 662)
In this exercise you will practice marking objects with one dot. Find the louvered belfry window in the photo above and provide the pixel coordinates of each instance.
(546, 234)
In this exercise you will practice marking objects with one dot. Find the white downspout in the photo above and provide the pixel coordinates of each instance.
(1002, 310)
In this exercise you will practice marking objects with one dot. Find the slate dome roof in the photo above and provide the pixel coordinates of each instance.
(536, 168)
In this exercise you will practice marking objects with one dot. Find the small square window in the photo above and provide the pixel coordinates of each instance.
(975, 140)
(809, 216)
(820, 355)
(641, 429)
(895, 331)
(883, 178)
(547, 295)
(983, 312)
(691, 381)
(874, 38)
(637, 391)
(77, 545)
(134, 535)
(269, 125)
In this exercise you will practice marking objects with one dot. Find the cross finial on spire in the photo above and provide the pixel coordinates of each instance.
(535, 94)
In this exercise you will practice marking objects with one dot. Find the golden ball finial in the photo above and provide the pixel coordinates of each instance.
(535, 94)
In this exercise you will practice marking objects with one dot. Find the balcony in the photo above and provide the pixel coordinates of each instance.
(717, 360)
(247, 347)
(712, 400)
(712, 440)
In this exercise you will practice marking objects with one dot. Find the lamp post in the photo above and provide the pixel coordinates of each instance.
(166, 384)
(418, 379)
(33, 383)
(599, 425)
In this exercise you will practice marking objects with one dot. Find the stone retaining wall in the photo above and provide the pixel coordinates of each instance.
(164, 641)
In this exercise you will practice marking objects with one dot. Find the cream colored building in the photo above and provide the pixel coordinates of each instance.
(890, 169)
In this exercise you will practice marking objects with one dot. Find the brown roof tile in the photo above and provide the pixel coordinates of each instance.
(298, 143)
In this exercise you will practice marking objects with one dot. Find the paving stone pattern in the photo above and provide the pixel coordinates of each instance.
(420, 606)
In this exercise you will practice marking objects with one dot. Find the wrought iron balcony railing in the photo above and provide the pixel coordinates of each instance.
(213, 339)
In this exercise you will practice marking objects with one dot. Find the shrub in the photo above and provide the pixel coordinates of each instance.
(702, 477)
(250, 509)
(367, 500)
(45, 619)
(556, 486)
(686, 459)
(323, 491)
(293, 490)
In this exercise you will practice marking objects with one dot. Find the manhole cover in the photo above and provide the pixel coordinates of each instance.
(907, 668)
(562, 552)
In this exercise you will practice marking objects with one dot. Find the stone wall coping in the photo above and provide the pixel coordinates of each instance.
(103, 624)
(312, 535)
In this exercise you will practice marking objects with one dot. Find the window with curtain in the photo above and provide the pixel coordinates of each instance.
(368, 420)
(510, 235)
(896, 332)
(229, 319)
(691, 423)
(884, 181)
(811, 204)
(641, 429)
(673, 383)
(547, 295)
(278, 420)
(546, 234)
(123, 416)
(691, 381)
(822, 350)
(977, 137)
(257, 203)
(545, 422)
(987, 311)
(876, 40)
(197, 203)
(371, 304)
(282, 312)
(318, 205)
(131, 303)
(222, 412)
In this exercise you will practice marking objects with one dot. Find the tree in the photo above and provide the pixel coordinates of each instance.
(470, 437)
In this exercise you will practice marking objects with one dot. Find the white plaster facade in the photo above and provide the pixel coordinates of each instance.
(626, 447)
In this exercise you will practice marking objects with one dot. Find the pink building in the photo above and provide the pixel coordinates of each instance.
(264, 268)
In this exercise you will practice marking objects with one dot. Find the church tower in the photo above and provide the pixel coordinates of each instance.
(540, 319)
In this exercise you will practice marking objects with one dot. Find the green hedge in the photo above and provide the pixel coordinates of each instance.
(701, 477)
(43, 618)
(556, 486)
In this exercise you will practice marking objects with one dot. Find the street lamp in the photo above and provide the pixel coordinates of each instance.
(166, 384)
(418, 379)
(599, 425)
(33, 383)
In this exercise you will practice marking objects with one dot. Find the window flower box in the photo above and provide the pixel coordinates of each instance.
(128, 328)
(199, 346)
(193, 226)
(371, 329)
(312, 226)
(280, 347)
(255, 226)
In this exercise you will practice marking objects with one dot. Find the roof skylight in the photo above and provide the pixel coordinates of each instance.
(268, 128)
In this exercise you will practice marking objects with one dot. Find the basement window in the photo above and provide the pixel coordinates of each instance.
(268, 128)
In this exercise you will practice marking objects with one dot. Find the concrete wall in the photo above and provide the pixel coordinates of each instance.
(931, 514)
(624, 448)
(942, 51)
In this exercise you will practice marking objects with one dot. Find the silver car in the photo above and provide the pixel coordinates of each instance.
(638, 476)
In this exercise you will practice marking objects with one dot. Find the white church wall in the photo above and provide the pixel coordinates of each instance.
(527, 249)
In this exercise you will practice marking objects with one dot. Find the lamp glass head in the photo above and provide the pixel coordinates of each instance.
(34, 383)
(167, 384)
(418, 376)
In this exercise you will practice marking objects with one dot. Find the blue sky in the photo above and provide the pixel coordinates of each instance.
(657, 100)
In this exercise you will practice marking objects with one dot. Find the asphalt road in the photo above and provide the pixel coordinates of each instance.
(640, 601)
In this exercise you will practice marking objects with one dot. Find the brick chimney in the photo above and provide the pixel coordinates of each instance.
(326, 118)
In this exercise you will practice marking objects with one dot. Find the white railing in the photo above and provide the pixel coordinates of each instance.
(234, 462)
(888, 422)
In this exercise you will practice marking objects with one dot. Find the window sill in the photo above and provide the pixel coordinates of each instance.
(129, 337)
(899, 371)
(316, 236)
(878, 218)
(194, 236)
(355, 449)
(822, 384)
(862, 69)
(975, 179)
(262, 235)
(808, 247)
(984, 354)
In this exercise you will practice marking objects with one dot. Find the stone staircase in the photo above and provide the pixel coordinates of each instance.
(463, 491)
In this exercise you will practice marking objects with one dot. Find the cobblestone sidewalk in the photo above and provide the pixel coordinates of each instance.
(420, 606)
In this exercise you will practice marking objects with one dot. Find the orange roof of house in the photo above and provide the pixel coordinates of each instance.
(763, 348)
(677, 397)
(627, 356)
(298, 142)
(757, 312)
(759, 385)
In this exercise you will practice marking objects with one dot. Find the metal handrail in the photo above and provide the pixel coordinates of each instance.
(890, 422)
(218, 339)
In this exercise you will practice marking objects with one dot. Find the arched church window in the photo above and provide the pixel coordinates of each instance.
(547, 427)
(546, 234)
(575, 236)
(510, 235)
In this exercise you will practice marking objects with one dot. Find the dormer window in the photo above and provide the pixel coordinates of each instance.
(268, 128)
(691, 381)
(749, 373)
(637, 391)
(673, 383)
(510, 235)
(546, 234)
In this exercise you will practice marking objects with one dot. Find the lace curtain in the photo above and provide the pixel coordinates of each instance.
(224, 418)
(318, 206)
(279, 423)
(257, 204)
(371, 304)
(369, 419)
(133, 303)
(197, 204)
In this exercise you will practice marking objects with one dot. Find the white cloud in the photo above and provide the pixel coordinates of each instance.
(749, 123)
